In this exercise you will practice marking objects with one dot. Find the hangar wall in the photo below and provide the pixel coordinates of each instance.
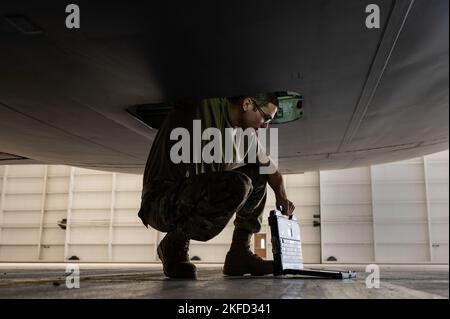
(390, 213)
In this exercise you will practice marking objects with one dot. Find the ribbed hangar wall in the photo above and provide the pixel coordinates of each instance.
(391, 213)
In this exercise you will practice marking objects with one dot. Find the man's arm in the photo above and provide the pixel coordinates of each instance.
(275, 181)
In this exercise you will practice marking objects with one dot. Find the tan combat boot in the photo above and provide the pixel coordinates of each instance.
(240, 260)
(173, 252)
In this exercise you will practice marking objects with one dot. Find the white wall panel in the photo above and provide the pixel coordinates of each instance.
(128, 200)
(347, 253)
(94, 217)
(438, 192)
(91, 252)
(352, 212)
(126, 216)
(58, 185)
(354, 175)
(26, 171)
(22, 202)
(439, 211)
(55, 210)
(303, 195)
(207, 253)
(52, 253)
(90, 172)
(311, 252)
(134, 252)
(53, 236)
(130, 240)
(133, 235)
(397, 193)
(438, 171)
(346, 208)
(342, 194)
(439, 231)
(19, 236)
(23, 218)
(400, 212)
(411, 170)
(25, 186)
(406, 233)
(347, 232)
(128, 182)
(17, 253)
(440, 253)
(437, 176)
(58, 170)
(89, 235)
(20, 212)
(310, 234)
(51, 218)
(402, 253)
(56, 202)
(90, 183)
(91, 200)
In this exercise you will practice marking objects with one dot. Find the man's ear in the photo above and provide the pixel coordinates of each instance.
(247, 104)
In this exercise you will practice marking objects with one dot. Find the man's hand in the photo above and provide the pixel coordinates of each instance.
(275, 181)
(286, 204)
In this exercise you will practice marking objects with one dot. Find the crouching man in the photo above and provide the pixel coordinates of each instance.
(189, 196)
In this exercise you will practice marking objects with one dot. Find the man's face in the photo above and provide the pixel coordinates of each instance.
(256, 116)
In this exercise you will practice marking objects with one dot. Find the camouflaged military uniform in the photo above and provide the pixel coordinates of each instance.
(200, 198)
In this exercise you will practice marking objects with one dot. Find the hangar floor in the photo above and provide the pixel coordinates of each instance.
(147, 281)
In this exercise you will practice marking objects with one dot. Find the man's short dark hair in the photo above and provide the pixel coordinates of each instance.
(260, 98)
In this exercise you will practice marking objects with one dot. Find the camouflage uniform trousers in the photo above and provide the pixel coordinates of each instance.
(202, 205)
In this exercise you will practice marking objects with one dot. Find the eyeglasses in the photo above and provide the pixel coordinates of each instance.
(267, 117)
